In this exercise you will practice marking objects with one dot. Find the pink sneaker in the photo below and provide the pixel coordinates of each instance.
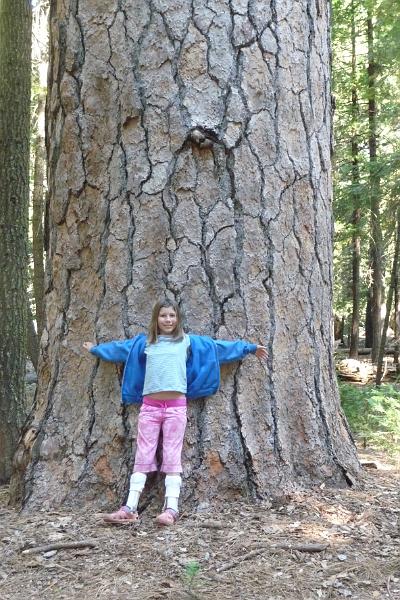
(167, 517)
(122, 516)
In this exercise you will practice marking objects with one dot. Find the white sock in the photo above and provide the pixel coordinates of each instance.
(172, 490)
(135, 489)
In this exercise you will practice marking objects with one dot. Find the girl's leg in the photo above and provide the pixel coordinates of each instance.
(173, 435)
(136, 486)
(149, 426)
(173, 482)
(173, 428)
(170, 511)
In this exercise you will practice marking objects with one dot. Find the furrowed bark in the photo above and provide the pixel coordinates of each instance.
(189, 154)
(15, 39)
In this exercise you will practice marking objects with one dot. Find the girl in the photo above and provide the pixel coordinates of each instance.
(160, 371)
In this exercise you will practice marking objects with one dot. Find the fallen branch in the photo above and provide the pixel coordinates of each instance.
(212, 524)
(258, 551)
(302, 547)
(233, 563)
(60, 546)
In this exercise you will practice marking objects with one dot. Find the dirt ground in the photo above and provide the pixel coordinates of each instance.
(322, 543)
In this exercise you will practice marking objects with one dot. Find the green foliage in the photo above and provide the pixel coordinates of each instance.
(352, 165)
(192, 569)
(374, 414)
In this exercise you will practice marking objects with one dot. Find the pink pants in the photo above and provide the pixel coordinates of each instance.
(171, 420)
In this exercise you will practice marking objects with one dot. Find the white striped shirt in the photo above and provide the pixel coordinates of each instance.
(166, 365)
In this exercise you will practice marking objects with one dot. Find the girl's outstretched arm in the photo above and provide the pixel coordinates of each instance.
(111, 351)
(237, 350)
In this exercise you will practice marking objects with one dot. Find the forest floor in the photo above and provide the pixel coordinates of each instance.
(243, 551)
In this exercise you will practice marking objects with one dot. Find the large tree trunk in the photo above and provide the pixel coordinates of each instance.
(189, 152)
(15, 38)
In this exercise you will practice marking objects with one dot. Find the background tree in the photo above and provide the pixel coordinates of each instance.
(376, 244)
(390, 294)
(15, 44)
(365, 72)
(355, 191)
(189, 154)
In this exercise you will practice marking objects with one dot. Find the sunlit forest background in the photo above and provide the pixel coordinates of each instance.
(365, 71)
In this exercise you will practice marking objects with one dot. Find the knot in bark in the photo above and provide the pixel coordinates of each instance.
(202, 138)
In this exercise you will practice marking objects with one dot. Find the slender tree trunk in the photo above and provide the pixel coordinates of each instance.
(389, 301)
(189, 155)
(355, 286)
(376, 232)
(15, 38)
(355, 180)
(397, 319)
(368, 320)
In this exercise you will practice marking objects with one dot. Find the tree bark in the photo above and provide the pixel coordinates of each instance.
(189, 154)
(15, 38)
(368, 318)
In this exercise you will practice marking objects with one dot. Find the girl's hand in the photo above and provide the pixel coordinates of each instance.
(262, 353)
(88, 346)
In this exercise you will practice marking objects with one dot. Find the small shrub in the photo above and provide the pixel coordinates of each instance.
(373, 413)
(192, 569)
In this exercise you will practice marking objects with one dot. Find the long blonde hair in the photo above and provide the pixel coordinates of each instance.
(153, 327)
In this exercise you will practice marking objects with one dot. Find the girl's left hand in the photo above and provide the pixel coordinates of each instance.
(262, 353)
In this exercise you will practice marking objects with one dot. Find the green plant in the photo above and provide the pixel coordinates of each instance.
(192, 569)
(373, 413)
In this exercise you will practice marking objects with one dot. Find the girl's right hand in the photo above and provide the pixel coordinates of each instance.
(88, 346)
(262, 353)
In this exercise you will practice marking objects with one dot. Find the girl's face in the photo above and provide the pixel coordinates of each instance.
(167, 320)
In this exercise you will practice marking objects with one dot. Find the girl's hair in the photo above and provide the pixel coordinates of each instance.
(153, 327)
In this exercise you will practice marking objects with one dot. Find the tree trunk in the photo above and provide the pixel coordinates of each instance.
(355, 181)
(374, 178)
(15, 38)
(397, 320)
(368, 319)
(189, 154)
(392, 285)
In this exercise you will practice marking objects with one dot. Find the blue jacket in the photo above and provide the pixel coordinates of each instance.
(202, 366)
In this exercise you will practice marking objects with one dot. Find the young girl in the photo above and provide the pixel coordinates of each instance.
(161, 371)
